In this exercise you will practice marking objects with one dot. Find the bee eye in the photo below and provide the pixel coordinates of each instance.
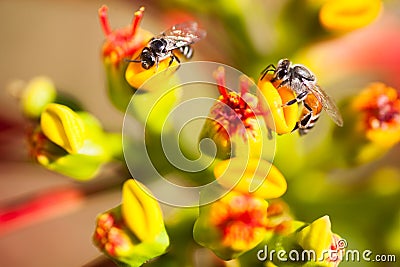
(281, 73)
(147, 59)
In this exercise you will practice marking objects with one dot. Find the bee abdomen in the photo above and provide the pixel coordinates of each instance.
(187, 51)
(304, 129)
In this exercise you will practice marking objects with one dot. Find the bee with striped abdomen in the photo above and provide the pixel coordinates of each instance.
(304, 84)
(178, 37)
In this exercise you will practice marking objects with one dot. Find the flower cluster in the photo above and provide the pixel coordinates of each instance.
(243, 219)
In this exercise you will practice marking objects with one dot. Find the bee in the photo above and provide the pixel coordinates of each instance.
(304, 84)
(178, 37)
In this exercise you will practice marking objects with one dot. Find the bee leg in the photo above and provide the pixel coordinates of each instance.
(269, 134)
(298, 98)
(174, 57)
(305, 123)
(156, 65)
(270, 67)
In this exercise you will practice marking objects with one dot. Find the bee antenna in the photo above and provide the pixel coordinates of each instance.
(132, 60)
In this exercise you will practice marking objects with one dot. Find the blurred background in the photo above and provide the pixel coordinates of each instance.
(62, 40)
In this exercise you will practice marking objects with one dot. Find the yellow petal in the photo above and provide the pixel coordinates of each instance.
(63, 127)
(284, 118)
(136, 75)
(141, 211)
(255, 176)
(344, 15)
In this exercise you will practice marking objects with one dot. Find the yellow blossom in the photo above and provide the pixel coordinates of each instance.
(343, 15)
(232, 225)
(252, 176)
(379, 106)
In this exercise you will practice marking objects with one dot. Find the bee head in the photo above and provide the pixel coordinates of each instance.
(147, 58)
(282, 69)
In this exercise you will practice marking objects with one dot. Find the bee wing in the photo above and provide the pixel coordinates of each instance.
(328, 104)
(183, 34)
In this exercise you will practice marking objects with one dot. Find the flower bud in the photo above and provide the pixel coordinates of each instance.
(232, 225)
(39, 92)
(319, 238)
(309, 245)
(63, 127)
(110, 236)
(251, 176)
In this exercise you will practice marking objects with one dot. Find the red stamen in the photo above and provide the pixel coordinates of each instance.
(219, 75)
(244, 85)
(136, 20)
(104, 21)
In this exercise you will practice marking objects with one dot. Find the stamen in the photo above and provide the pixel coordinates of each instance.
(136, 21)
(245, 83)
(219, 76)
(104, 21)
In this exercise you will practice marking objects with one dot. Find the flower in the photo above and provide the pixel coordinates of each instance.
(253, 176)
(318, 237)
(131, 237)
(72, 143)
(379, 106)
(233, 119)
(342, 15)
(281, 119)
(121, 44)
(232, 225)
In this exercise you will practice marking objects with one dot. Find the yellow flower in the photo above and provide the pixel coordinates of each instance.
(318, 237)
(132, 233)
(72, 143)
(251, 176)
(141, 211)
(379, 106)
(282, 119)
(343, 15)
(232, 225)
